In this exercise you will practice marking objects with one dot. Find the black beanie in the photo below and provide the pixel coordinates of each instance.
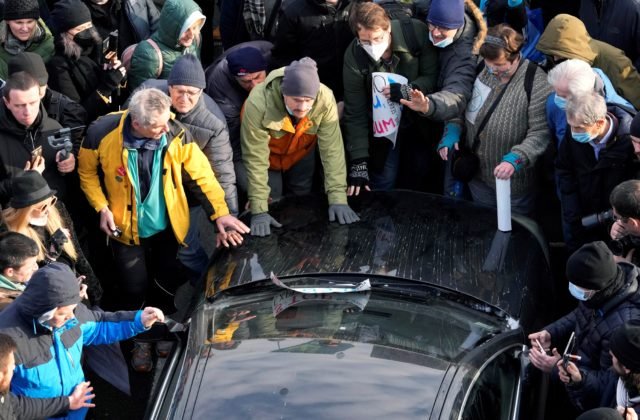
(592, 267)
(67, 14)
(301, 79)
(30, 63)
(602, 413)
(21, 9)
(187, 71)
(29, 188)
(625, 345)
(635, 126)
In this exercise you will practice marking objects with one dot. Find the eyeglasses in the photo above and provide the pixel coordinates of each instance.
(187, 93)
(374, 41)
(439, 28)
(46, 206)
(617, 217)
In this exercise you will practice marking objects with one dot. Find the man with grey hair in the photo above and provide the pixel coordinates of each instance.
(148, 161)
(573, 78)
(595, 156)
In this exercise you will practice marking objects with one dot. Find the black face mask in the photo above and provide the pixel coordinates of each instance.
(84, 39)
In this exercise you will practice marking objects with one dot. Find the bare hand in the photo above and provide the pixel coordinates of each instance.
(628, 414)
(36, 164)
(569, 375)
(504, 170)
(444, 152)
(386, 91)
(67, 165)
(81, 396)
(230, 223)
(150, 315)
(618, 230)
(229, 238)
(107, 225)
(418, 102)
(543, 337)
(542, 361)
(353, 190)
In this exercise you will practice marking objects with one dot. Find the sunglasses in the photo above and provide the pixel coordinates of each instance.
(45, 207)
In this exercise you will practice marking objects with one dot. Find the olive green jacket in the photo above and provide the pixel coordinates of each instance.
(43, 46)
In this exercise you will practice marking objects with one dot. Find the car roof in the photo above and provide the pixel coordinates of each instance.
(428, 238)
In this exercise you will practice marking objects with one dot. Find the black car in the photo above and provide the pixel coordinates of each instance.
(420, 310)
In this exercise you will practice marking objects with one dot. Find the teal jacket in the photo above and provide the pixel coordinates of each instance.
(144, 62)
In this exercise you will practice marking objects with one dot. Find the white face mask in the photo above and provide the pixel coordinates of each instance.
(39, 221)
(375, 51)
(442, 44)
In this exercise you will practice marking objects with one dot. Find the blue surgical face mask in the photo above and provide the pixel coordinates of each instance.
(580, 294)
(582, 137)
(560, 102)
(442, 44)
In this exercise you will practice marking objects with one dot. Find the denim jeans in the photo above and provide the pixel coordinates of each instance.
(386, 180)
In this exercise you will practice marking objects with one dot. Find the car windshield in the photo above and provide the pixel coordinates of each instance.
(430, 323)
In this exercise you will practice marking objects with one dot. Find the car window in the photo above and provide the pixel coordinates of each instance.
(493, 395)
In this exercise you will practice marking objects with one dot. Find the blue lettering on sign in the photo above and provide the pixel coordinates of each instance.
(391, 80)
(377, 103)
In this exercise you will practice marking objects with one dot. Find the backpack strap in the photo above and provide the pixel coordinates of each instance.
(159, 53)
(56, 102)
(528, 78)
(410, 37)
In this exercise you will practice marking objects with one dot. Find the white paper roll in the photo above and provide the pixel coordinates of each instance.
(503, 200)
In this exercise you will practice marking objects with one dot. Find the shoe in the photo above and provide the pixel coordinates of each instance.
(141, 357)
(163, 348)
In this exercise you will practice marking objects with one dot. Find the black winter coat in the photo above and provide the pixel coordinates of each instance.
(16, 145)
(68, 113)
(316, 29)
(585, 183)
(593, 329)
(14, 407)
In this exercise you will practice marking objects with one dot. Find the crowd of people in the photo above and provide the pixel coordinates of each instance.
(117, 123)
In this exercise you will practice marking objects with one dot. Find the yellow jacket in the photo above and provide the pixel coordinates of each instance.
(184, 164)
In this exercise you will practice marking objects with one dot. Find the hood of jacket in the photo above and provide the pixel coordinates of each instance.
(566, 36)
(8, 124)
(52, 286)
(173, 15)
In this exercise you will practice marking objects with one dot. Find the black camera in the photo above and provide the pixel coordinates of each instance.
(622, 246)
(399, 91)
(61, 140)
(598, 219)
(109, 47)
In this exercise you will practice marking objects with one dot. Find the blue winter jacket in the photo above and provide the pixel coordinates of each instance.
(48, 360)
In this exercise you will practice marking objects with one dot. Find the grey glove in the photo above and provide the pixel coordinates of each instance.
(261, 224)
(343, 212)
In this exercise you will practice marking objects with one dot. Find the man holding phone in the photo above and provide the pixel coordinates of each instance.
(24, 127)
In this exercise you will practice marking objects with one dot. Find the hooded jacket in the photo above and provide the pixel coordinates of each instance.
(566, 36)
(593, 329)
(144, 61)
(183, 162)
(270, 141)
(41, 45)
(16, 144)
(48, 360)
(585, 183)
(228, 94)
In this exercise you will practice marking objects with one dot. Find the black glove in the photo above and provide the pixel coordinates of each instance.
(110, 80)
(358, 174)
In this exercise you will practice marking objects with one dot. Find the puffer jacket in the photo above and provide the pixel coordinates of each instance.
(144, 61)
(268, 136)
(593, 329)
(421, 71)
(566, 36)
(15, 407)
(184, 165)
(457, 68)
(16, 145)
(228, 94)
(616, 22)
(207, 125)
(48, 360)
(42, 45)
(316, 29)
(585, 183)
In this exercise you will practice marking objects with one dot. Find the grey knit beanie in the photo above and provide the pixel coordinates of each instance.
(187, 71)
(301, 79)
(21, 9)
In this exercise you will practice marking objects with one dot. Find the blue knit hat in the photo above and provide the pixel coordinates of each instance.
(187, 71)
(446, 13)
(245, 61)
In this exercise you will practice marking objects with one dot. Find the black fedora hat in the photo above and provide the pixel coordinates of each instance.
(29, 188)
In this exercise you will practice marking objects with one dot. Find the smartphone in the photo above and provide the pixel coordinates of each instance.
(36, 153)
(109, 48)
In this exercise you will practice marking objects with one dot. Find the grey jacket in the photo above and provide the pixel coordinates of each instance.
(207, 126)
(227, 93)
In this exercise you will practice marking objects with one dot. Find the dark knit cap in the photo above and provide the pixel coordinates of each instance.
(21, 9)
(30, 63)
(625, 345)
(301, 79)
(635, 126)
(187, 71)
(592, 266)
(50, 287)
(67, 14)
(246, 60)
(602, 413)
(29, 188)
(446, 13)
